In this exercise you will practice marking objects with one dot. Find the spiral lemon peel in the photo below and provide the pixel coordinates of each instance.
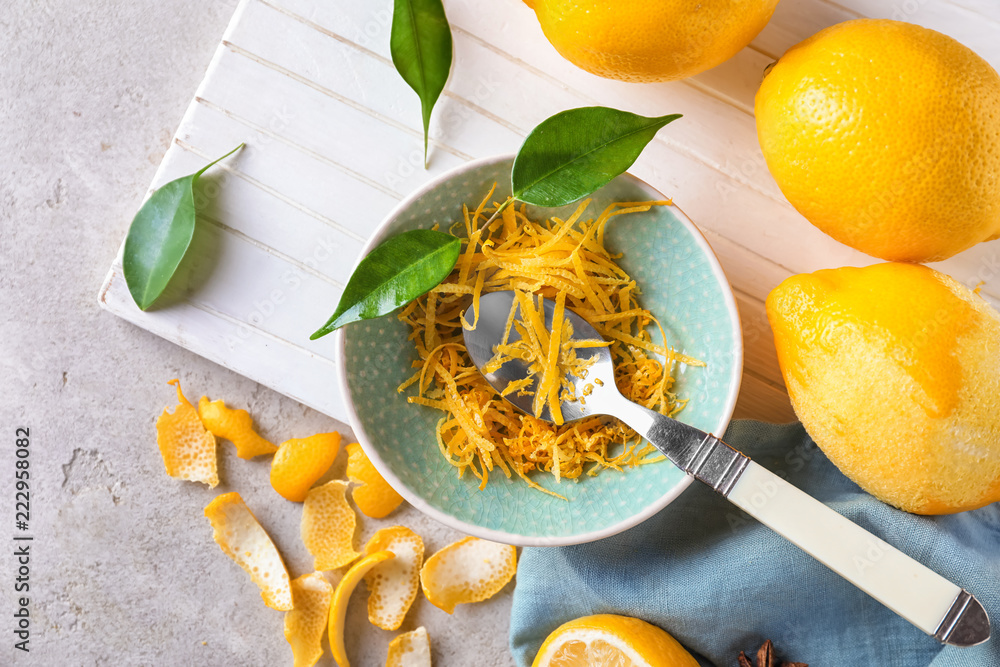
(342, 595)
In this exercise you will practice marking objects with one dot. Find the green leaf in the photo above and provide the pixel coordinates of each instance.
(420, 43)
(572, 154)
(396, 272)
(159, 237)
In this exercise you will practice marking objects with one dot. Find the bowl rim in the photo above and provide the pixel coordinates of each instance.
(499, 535)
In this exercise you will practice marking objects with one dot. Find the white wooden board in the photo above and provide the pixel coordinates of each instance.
(334, 141)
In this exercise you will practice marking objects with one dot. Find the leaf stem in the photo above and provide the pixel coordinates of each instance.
(212, 164)
(499, 210)
(425, 145)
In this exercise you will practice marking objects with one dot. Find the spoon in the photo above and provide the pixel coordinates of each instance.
(921, 596)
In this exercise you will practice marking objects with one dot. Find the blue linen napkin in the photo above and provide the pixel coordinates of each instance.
(720, 582)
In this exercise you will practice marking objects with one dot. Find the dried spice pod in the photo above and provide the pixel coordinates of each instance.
(766, 657)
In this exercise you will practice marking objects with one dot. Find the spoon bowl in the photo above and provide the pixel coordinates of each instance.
(481, 341)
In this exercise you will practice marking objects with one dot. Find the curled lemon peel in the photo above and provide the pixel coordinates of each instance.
(306, 622)
(236, 426)
(300, 462)
(342, 595)
(328, 525)
(372, 495)
(243, 539)
(394, 584)
(469, 570)
(187, 448)
(410, 649)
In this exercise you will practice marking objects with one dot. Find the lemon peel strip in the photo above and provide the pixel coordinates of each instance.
(394, 584)
(469, 570)
(410, 649)
(243, 539)
(328, 524)
(187, 448)
(307, 621)
(236, 426)
(539, 259)
(342, 595)
(373, 495)
(300, 462)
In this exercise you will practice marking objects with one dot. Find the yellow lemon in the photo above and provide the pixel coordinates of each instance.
(650, 40)
(886, 136)
(608, 639)
(894, 370)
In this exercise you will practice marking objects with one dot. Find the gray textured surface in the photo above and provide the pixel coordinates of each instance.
(124, 570)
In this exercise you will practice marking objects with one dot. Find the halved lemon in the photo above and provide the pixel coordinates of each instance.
(607, 640)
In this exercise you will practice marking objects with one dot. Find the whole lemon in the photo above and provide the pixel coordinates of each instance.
(894, 370)
(886, 136)
(650, 40)
(610, 639)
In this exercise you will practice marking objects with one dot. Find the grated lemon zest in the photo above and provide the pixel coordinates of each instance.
(565, 261)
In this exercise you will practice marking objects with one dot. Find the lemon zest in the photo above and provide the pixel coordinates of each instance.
(564, 261)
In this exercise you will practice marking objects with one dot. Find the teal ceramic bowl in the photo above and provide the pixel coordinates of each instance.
(682, 284)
